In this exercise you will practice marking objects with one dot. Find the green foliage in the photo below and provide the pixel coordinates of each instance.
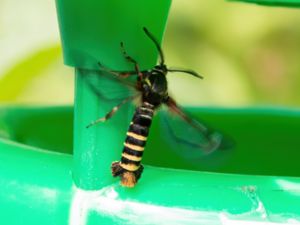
(19, 77)
(248, 55)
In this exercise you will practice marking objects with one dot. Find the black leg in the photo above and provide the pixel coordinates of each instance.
(122, 74)
(130, 59)
(111, 112)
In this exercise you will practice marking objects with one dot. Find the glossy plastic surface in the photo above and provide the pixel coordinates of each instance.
(91, 31)
(286, 3)
(36, 183)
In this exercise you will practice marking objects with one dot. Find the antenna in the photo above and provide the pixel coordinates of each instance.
(162, 59)
(193, 73)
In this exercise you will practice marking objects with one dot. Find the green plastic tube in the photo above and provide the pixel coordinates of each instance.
(91, 32)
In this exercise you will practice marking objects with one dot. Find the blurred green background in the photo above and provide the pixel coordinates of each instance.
(248, 54)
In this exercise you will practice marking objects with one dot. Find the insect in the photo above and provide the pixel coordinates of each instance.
(151, 85)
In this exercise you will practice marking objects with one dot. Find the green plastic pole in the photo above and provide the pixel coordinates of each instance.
(91, 32)
(95, 147)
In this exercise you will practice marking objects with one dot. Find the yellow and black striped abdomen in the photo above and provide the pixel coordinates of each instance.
(129, 168)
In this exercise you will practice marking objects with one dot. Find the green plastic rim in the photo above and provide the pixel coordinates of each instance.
(36, 179)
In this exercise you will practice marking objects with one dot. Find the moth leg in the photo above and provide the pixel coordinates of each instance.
(122, 74)
(112, 111)
(130, 59)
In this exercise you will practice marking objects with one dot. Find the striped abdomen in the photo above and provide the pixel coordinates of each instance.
(129, 168)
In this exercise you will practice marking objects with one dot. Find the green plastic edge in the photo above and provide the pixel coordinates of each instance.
(285, 3)
(37, 184)
(91, 32)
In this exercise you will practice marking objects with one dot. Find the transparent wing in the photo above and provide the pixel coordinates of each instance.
(109, 87)
(114, 91)
(188, 137)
